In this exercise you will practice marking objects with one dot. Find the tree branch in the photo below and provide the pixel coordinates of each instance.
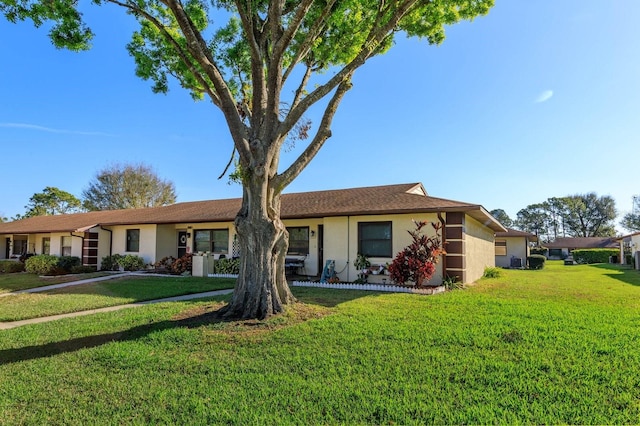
(323, 133)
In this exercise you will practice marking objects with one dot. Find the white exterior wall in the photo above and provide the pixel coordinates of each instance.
(167, 241)
(635, 249)
(341, 242)
(56, 244)
(311, 261)
(479, 249)
(516, 246)
(147, 249)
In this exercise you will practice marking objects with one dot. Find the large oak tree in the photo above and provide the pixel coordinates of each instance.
(310, 47)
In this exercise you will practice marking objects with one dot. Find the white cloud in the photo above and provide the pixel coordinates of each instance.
(51, 130)
(544, 96)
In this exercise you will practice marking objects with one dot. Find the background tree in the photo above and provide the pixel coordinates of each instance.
(534, 219)
(631, 221)
(264, 69)
(52, 201)
(502, 217)
(588, 215)
(128, 187)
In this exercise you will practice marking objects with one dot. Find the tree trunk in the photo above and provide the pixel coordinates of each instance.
(262, 289)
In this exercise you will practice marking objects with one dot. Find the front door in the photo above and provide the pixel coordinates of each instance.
(182, 243)
(7, 248)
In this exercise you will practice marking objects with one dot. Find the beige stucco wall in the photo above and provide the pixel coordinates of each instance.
(341, 242)
(635, 249)
(147, 249)
(516, 246)
(167, 241)
(479, 248)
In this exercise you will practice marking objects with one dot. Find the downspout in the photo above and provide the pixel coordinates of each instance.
(444, 243)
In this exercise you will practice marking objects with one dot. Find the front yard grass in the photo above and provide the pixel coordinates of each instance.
(556, 346)
(22, 280)
(118, 291)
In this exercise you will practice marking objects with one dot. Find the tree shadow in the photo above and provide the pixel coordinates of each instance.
(323, 297)
(623, 273)
(55, 348)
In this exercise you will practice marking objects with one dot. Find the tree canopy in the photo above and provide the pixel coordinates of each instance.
(51, 201)
(579, 215)
(263, 64)
(502, 217)
(127, 187)
(631, 221)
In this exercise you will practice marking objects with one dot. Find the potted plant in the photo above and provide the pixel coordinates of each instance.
(362, 264)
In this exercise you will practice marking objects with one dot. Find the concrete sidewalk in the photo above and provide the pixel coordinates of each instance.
(14, 324)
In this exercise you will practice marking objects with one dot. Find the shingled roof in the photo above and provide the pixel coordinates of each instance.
(511, 233)
(389, 199)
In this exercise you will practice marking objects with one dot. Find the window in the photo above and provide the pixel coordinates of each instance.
(46, 245)
(19, 245)
(374, 239)
(65, 246)
(212, 240)
(133, 240)
(501, 247)
(298, 240)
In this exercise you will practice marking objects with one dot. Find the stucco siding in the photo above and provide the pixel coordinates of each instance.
(147, 246)
(167, 241)
(635, 249)
(341, 242)
(516, 247)
(479, 249)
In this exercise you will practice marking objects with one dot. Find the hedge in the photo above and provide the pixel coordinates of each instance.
(536, 261)
(594, 255)
(10, 266)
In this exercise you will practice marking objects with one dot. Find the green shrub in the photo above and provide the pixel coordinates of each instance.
(67, 263)
(227, 266)
(110, 263)
(82, 269)
(536, 261)
(492, 272)
(594, 255)
(451, 282)
(539, 250)
(631, 261)
(131, 262)
(42, 264)
(10, 267)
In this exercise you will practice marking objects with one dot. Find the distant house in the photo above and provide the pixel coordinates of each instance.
(562, 247)
(512, 248)
(323, 225)
(633, 242)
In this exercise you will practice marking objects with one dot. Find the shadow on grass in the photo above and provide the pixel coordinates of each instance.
(322, 297)
(55, 348)
(622, 273)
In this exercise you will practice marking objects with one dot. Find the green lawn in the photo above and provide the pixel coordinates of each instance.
(561, 345)
(117, 291)
(22, 280)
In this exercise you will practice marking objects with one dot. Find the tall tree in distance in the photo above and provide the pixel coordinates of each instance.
(128, 187)
(533, 218)
(631, 221)
(588, 215)
(502, 217)
(51, 201)
(264, 69)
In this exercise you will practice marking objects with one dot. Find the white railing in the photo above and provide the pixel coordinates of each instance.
(370, 287)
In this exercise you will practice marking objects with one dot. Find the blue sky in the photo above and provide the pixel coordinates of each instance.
(537, 99)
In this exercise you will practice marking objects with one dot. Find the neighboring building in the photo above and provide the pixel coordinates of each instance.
(633, 243)
(323, 225)
(562, 247)
(512, 248)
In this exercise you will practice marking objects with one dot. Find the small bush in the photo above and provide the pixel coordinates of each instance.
(131, 262)
(165, 263)
(110, 263)
(67, 263)
(451, 282)
(536, 261)
(42, 264)
(82, 269)
(631, 261)
(594, 255)
(10, 267)
(492, 272)
(539, 250)
(227, 266)
(182, 265)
